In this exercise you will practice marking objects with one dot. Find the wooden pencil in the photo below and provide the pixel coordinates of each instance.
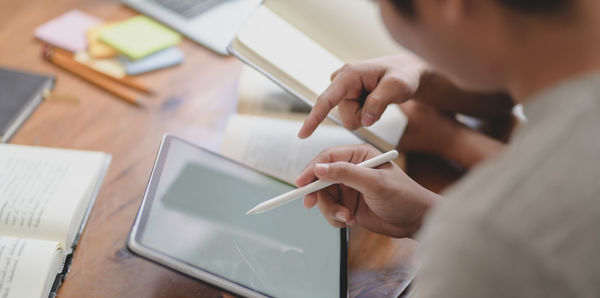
(63, 60)
(125, 79)
(133, 83)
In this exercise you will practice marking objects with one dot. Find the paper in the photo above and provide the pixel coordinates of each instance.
(139, 36)
(165, 58)
(96, 48)
(109, 66)
(58, 185)
(68, 31)
(353, 30)
(29, 266)
(271, 145)
(256, 93)
(278, 42)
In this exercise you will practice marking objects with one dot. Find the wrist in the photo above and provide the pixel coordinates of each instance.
(428, 200)
(420, 200)
(468, 147)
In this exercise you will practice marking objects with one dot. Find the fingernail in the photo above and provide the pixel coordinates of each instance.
(322, 168)
(341, 216)
(301, 132)
(368, 119)
(307, 207)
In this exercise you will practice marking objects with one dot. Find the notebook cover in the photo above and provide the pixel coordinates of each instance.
(21, 93)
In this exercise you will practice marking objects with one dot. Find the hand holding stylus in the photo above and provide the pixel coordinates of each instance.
(317, 185)
(383, 199)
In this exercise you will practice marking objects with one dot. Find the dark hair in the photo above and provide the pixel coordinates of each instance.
(525, 6)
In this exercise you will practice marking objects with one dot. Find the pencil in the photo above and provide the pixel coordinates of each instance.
(317, 185)
(131, 82)
(63, 60)
(124, 79)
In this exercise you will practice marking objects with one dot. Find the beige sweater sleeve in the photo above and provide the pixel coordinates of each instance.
(467, 259)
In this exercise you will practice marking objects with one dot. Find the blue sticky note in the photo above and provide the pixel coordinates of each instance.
(165, 58)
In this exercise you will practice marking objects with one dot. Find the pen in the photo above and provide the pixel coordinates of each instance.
(317, 185)
(91, 76)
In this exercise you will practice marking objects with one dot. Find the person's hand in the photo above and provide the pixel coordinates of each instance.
(384, 200)
(389, 79)
(396, 79)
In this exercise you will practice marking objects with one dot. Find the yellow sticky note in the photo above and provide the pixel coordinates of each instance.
(96, 48)
(139, 36)
(108, 66)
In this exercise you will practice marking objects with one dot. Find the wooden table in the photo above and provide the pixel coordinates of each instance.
(192, 101)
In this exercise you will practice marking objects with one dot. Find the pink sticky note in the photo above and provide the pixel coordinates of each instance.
(68, 30)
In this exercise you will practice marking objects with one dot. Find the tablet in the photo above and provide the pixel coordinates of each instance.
(193, 219)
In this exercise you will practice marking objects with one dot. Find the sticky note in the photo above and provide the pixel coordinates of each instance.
(109, 66)
(68, 31)
(164, 58)
(96, 48)
(139, 36)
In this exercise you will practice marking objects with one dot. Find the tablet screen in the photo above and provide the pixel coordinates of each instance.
(195, 213)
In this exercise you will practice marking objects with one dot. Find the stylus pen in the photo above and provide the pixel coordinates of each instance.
(317, 185)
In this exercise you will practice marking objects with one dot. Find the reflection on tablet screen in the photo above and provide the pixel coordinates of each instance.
(198, 216)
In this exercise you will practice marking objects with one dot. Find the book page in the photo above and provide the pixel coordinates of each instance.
(271, 145)
(352, 29)
(43, 191)
(258, 94)
(28, 267)
(288, 50)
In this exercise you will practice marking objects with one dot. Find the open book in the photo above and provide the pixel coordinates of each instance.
(264, 133)
(299, 44)
(270, 145)
(45, 196)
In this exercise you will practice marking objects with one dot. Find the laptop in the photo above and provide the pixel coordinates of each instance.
(193, 220)
(212, 23)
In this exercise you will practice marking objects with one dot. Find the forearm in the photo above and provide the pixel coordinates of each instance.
(431, 132)
(428, 200)
(438, 92)
(468, 147)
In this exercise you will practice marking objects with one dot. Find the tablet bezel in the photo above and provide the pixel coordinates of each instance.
(170, 262)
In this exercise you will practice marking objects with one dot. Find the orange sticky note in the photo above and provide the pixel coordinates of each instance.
(96, 48)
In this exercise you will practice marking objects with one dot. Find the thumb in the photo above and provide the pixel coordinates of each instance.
(388, 90)
(349, 174)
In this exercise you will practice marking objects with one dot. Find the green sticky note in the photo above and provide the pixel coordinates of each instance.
(139, 36)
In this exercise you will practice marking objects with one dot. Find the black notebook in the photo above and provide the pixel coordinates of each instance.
(20, 94)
